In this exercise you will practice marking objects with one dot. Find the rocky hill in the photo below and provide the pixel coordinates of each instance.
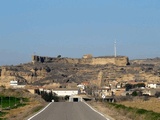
(54, 73)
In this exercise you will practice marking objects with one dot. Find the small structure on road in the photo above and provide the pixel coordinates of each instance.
(75, 99)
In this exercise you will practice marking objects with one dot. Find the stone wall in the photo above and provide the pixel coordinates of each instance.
(119, 60)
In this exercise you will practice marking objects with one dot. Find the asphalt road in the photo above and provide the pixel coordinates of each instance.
(68, 111)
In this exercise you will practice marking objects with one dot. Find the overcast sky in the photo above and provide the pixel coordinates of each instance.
(72, 28)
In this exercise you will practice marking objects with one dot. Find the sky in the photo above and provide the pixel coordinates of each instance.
(72, 28)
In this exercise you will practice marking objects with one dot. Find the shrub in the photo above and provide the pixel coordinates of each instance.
(141, 111)
(137, 113)
(134, 93)
(157, 94)
(66, 97)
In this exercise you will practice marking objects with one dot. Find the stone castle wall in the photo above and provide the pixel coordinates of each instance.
(119, 61)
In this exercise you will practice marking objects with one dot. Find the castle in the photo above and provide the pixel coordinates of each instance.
(86, 59)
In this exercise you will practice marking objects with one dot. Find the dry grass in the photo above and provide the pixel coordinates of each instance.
(151, 104)
(21, 113)
(108, 111)
(137, 109)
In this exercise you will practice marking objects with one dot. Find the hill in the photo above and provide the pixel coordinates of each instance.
(60, 74)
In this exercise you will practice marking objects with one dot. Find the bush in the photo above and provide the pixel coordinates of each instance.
(2, 114)
(66, 97)
(48, 97)
(134, 93)
(128, 87)
(140, 113)
(157, 94)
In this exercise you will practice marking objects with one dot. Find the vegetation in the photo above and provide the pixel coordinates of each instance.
(48, 97)
(18, 104)
(10, 102)
(66, 97)
(59, 56)
(38, 108)
(157, 94)
(137, 93)
(136, 113)
(2, 114)
(130, 86)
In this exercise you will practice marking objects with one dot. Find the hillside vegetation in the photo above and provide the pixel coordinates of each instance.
(19, 104)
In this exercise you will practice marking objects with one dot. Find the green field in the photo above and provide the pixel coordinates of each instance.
(6, 102)
(10, 102)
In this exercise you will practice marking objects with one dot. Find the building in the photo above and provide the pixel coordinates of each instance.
(65, 92)
(149, 92)
(152, 85)
(16, 84)
(103, 91)
(13, 83)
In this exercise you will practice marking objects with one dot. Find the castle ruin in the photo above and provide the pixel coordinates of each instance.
(86, 59)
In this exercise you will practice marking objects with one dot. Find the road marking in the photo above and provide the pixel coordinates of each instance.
(40, 111)
(96, 110)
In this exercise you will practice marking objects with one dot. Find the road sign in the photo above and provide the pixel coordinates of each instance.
(103, 96)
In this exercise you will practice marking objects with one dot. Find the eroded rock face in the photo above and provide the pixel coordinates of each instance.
(49, 73)
(22, 74)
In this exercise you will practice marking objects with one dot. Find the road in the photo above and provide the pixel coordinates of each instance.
(68, 111)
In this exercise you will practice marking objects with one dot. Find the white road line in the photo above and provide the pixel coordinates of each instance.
(40, 111)
(96, 110)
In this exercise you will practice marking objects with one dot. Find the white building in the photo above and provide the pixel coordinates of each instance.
(15, 84)
(152, 85)
(63, 92)
(81, 86)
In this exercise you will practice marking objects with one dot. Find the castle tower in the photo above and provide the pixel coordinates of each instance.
(34, 58)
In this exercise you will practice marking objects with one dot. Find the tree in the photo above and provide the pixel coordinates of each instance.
(50, 96)
(37, 91)
(157, 94)
(66, 97)
(59, 56)
(134, 93)
(55, 97)
(140, 85)
(128, 87)
(88, 90)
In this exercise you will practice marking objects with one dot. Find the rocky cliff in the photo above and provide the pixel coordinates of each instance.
(63, 73)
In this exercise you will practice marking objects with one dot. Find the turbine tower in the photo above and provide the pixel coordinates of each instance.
(115, 49)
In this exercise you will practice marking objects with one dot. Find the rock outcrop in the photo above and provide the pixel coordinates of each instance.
(87, 59)
(63, 71)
